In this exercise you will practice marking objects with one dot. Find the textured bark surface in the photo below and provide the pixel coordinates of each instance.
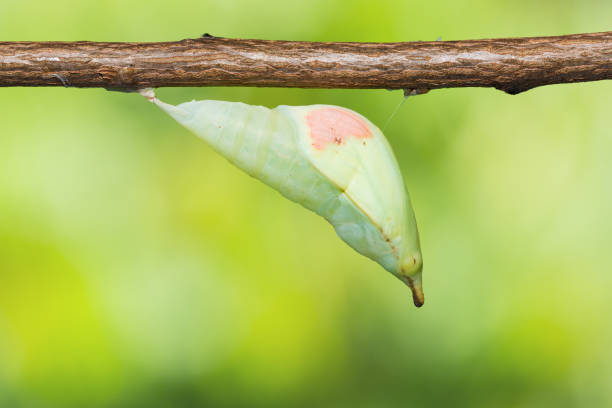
(512, 65)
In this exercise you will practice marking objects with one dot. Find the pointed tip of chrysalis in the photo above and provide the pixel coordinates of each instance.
(417, 294)
(416, 286)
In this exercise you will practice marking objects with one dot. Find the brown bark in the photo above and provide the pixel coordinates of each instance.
(513, 65)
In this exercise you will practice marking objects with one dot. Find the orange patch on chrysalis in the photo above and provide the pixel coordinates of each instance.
(331, 125)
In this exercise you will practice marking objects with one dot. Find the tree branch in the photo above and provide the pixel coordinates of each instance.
(512, 65)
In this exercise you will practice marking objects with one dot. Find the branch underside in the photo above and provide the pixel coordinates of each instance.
(512, 65)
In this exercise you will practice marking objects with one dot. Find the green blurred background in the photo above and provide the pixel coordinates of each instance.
(140, 269)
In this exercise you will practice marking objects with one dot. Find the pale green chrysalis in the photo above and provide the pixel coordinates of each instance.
(329, 159)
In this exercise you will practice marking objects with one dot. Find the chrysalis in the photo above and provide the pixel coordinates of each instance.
(329, 159)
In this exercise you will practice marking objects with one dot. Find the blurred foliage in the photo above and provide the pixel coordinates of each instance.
(139, 269)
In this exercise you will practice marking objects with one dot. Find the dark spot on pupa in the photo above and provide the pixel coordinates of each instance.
(364, 143)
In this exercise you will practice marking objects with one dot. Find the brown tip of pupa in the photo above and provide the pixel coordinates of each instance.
(416, 286)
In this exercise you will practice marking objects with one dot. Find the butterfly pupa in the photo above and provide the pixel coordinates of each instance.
(329, 159)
